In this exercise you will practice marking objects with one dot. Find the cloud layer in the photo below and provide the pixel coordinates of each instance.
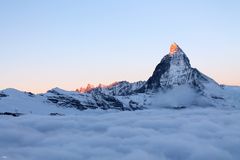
(193, 134)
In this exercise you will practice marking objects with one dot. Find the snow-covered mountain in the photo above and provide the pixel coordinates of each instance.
(175, 70)
(122, 88)
(173, 84)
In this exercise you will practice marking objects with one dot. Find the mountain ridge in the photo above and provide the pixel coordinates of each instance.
(173, 76)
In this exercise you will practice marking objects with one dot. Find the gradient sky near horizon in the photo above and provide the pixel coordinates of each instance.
(67, 44)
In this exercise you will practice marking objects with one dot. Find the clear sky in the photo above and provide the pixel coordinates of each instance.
(67, 44)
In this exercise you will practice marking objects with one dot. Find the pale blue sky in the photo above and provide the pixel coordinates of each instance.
(64, 43)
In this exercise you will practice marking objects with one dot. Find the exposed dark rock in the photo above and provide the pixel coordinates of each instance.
(67, 101)
(56, 114)
(11, 114)
(53, 92)
(30, 94)
(216, 97)
(104, 102)
(180, 107)
(135, 106)
(3, 95)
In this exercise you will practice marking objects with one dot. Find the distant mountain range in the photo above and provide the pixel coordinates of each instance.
(173, 84)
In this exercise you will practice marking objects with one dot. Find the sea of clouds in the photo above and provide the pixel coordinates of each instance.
(163, 134)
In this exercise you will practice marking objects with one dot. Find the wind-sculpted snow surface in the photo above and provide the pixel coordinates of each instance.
(164, 134)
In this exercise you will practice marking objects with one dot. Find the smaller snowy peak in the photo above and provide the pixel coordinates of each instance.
(11, 90)
(59, 91)
(120, 88)
(15, 92)
(174, 48)
(91, 87)
(88, 88)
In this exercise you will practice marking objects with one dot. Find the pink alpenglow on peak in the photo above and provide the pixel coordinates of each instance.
(174, 48)
(90, 87)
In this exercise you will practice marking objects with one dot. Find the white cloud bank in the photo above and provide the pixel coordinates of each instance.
(190, 134)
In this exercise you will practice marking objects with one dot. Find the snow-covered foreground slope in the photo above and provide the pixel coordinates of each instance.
(190, 134)
(26, 103)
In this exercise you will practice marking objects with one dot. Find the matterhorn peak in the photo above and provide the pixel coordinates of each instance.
(174, 70)
(174, 48)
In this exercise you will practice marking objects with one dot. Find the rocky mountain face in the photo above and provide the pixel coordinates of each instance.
(122, 88)
(175, 70)
(92, 100)
(173, 74)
